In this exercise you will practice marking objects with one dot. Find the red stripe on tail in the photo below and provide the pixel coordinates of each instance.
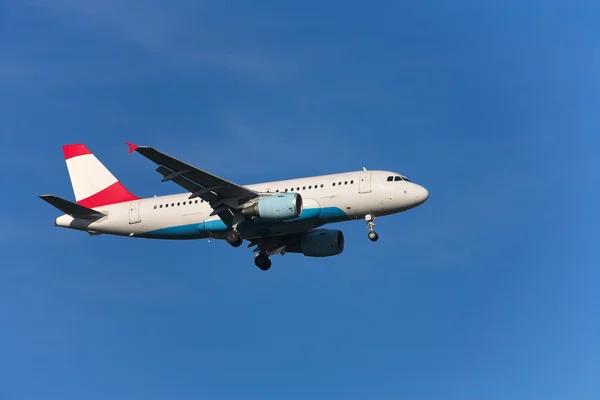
(115, 193)
(74, 150)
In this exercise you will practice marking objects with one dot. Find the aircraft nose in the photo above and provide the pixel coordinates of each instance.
(421, 194)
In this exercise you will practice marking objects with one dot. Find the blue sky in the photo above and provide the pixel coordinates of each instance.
(489, 290)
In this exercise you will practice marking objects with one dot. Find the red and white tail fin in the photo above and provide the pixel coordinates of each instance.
(93, 184)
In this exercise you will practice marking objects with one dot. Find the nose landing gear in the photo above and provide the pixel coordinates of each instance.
(373, 236)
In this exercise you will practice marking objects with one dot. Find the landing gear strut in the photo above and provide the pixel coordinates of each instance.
(262, 261)
(373, 236)
(234, 238)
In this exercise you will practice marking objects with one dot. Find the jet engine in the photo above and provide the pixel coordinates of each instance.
(319, 243)
(279, 206)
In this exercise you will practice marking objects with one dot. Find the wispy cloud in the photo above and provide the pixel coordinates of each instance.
(184, 36)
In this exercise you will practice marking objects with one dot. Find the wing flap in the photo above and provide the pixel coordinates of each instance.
(179, 180)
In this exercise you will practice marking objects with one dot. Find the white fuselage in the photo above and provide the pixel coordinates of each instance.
(326, 198)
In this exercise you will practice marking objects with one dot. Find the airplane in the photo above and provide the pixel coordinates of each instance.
(274, 217)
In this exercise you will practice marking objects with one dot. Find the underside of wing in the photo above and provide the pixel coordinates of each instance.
(312, 243)
(271, 245)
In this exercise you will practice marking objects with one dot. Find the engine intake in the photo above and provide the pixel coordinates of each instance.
(279, 206)
(319, 243)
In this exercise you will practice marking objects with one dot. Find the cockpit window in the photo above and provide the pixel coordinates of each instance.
(399, 178)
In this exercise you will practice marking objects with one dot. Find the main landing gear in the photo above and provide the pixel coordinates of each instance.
(234, 238)
(262, 261)
(373, 236)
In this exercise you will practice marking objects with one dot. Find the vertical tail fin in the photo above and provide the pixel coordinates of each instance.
(93, 184)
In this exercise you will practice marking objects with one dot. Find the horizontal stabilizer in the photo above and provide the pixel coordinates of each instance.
(73, 209)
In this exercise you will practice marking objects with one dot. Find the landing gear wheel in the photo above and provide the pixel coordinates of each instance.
(262, 262)
(373, 236)
(234, 238)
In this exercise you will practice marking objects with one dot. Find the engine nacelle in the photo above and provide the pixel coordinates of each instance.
(319, 243)
(279, 206)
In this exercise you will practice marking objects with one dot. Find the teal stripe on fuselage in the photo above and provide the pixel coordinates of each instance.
(189, 231)
(310, 218)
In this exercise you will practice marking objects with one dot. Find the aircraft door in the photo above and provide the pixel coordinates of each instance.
(364, 185)
(134, 211)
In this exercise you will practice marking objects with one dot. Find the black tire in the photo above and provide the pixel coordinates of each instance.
(262, 262)
(267, 265)
(234, 238)
(373, 236)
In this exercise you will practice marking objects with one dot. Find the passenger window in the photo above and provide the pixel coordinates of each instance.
(310, 187)
(184, 203)
(352, 182)
(346, 182)
(166, 205)
(339, 183)
(298, 188)
(172, 204)
(277, 191)
(161, 206)
(333, 183)
(196, 201)
(397, 179)
(286, 190)
(155, 206)
(321, 185)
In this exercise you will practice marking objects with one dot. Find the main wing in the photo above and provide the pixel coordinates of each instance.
(222, 195)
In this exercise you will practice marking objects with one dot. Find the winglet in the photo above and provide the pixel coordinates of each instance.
(132, 147)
